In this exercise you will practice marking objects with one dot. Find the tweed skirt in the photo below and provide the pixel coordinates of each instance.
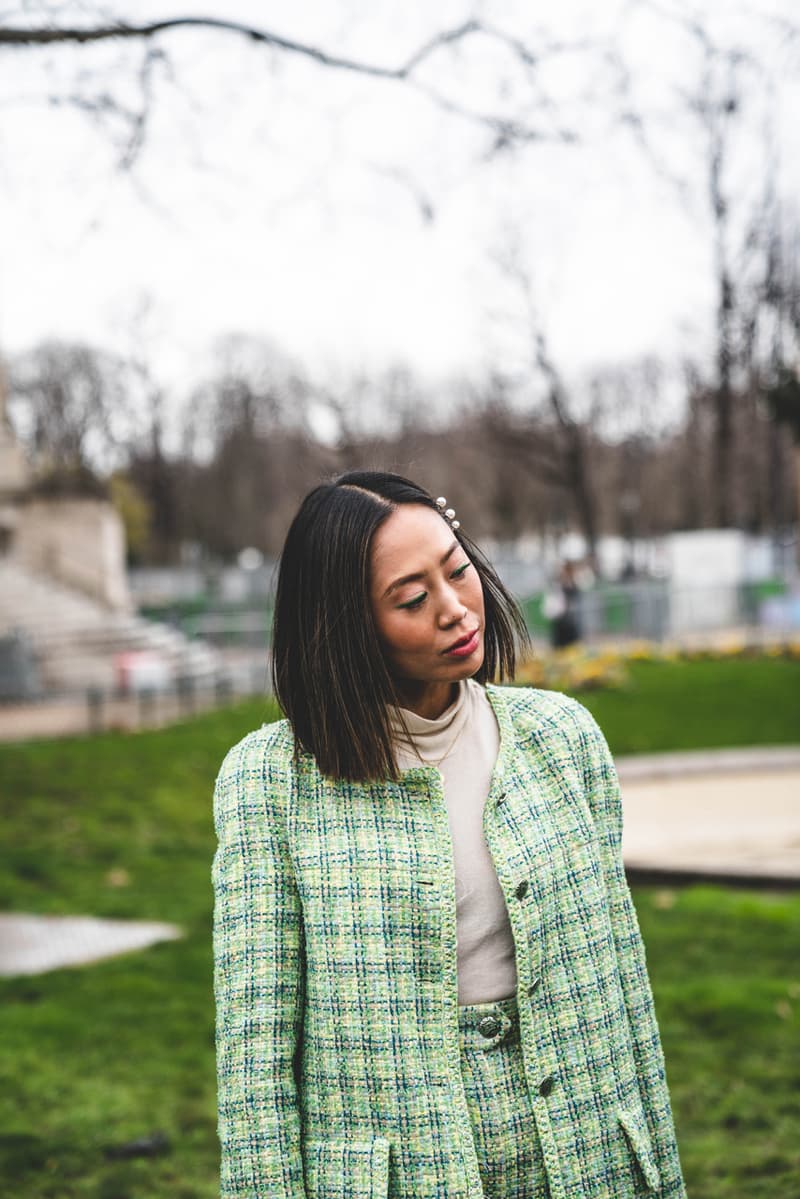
(501, 1112)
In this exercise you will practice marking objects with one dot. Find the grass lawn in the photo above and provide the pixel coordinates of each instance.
(700, 705)
(96, 1057)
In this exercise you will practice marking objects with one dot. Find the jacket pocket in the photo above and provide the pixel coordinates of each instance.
(344, 1169)
(633, 1122)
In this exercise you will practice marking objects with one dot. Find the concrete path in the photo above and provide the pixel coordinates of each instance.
(725, 815)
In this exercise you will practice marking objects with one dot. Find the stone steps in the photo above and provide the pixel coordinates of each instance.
(78, 642)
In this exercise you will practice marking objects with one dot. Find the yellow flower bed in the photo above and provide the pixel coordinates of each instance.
(576, 668)
(581, 667)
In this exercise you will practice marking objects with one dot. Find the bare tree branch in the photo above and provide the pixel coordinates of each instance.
(141, 117)
(49, 35)
(104, 107)
(447, 38)
(506, 130)
(422, 199)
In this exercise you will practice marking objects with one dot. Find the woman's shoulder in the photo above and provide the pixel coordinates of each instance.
(555, 725)
(540, 711)
(268, 749)
(255, 779)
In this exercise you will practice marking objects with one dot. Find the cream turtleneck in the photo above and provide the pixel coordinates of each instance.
(467, 734)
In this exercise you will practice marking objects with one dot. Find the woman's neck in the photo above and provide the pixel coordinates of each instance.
(428, 700)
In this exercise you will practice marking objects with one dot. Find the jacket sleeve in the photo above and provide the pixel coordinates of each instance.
(605, 802)
(258, 979)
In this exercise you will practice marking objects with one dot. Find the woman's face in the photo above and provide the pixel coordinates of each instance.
(427, 600)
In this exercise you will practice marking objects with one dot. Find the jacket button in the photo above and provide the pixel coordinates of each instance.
(534, 985)
(489, 1026)
(546, 1085)
(522, 889)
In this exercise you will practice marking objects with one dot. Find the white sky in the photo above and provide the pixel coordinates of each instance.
(276, 197)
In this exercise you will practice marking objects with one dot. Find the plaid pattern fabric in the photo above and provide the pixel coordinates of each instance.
(500, 1105)
(338, 1040)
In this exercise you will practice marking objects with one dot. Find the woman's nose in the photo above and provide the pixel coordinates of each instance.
(452, 610)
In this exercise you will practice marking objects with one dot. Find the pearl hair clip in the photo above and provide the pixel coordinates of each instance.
(448, 513)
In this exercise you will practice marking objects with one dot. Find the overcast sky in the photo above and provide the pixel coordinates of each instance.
(354, 222)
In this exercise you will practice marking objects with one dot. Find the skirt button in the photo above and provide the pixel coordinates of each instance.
(489, 1026)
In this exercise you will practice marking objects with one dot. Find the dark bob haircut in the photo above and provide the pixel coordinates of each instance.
(328, 668)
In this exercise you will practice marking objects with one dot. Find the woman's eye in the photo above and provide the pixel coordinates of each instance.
(458, 573)
(415, 602)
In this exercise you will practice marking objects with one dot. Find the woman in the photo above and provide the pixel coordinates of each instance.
(428, 971)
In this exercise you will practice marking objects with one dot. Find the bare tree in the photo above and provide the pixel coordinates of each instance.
(567, 462)
(716, 105)
(783, 398)
(71, 405)
(731, 103)
(505, 465)
(261, 453)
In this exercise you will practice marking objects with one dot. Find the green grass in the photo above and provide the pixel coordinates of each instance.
(98, 1056)
(726, 979)
(700, 705)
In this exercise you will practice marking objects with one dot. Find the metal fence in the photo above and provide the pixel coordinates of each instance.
(650, 609)
(70, 711)
(653, 609)
(656, 610)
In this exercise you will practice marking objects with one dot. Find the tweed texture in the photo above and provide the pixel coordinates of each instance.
(338, 1038)
(500, 1107)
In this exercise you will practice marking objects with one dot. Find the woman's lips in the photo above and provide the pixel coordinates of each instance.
(466, 646)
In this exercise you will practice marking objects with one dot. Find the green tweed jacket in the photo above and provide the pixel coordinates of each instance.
(335, 973)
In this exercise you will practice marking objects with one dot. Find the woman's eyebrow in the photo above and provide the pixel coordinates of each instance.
(420, 574)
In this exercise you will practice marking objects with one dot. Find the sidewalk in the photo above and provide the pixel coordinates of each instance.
(729, 816)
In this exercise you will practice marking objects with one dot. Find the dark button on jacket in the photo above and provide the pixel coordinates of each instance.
(489, 1026)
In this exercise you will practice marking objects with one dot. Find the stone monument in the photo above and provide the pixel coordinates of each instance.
(78, 542)
(67, 619)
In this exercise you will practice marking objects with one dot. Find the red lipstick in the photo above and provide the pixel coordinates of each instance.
(465, 645)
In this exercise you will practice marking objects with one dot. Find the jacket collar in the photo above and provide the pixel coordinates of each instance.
(502, 768)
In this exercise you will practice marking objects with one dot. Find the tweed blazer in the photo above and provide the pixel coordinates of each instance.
(335, 972)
